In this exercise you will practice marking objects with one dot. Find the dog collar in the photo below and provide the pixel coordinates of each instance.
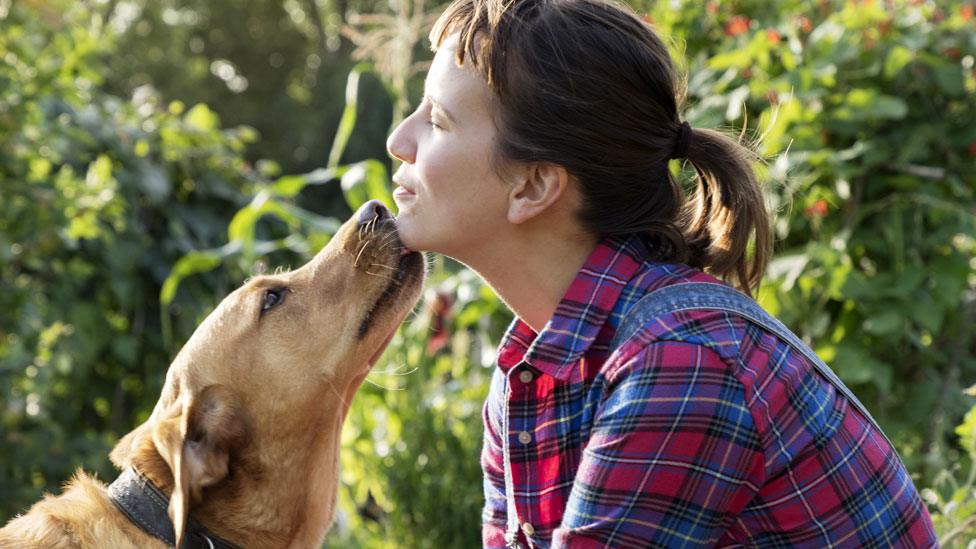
(146, 506)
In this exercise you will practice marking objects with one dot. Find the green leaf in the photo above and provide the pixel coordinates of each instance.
(354, 186)
(950, 78)
(863, 103)
(788, 268)
(202, 118)
(858, 287)
(967, 431)
(898, 57)
(191, 263)
(739, 58)
(242, 226)
(884, 323)
(289, 185)
(348, 120)
(378, 183)
(927, 314)
(855, 365)
(364, 181)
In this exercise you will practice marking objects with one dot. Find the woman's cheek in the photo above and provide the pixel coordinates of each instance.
(436, 174)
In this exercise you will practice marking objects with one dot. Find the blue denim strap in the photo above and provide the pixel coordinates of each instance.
(711, 296)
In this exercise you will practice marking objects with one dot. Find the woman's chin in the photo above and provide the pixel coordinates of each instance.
(408, 233)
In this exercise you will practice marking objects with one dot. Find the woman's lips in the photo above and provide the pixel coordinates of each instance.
(401, 193)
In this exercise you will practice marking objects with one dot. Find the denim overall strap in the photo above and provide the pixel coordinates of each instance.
(711, 296)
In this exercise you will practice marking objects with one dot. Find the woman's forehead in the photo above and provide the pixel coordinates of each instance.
(460, 89)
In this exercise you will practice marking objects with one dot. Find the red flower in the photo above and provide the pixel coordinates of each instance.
(773, 35)
(966, 12)
(817, 209)
(884, 27)
(972, 149)
(737, 25)
(805, 24)
(440, 335)
(712, 7)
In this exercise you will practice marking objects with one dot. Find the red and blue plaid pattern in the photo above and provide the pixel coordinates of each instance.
(701, 430)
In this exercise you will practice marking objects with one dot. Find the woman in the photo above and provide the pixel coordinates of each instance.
(539, 158)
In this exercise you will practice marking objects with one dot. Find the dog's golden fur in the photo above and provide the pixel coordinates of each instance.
(245, 435)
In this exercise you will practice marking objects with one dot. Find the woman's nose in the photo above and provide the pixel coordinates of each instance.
(400, 145)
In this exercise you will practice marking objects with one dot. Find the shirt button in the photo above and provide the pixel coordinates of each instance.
(525, 376)
(528, 529)
(525, 437)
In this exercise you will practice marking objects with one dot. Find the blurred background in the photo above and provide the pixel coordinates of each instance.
(154, 154)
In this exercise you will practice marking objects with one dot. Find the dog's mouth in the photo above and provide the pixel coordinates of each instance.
(407, 272)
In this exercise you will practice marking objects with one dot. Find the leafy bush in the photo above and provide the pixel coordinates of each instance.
(954, 501)
(867, 112)
(100, 196)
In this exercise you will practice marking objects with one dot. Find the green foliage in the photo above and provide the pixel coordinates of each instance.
(100, 197)
(954, 500)
(277, 66)
(123, 221)
(867, 112)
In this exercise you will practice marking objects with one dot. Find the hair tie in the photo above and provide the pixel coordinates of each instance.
(683, 142)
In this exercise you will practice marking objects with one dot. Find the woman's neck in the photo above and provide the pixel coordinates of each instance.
(532, 269)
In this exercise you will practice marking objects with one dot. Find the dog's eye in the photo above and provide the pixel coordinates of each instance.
(272, 298)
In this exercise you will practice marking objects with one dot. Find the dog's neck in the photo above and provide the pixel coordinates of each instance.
(277, 495)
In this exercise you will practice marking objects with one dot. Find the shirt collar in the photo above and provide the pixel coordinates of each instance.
(581, 313)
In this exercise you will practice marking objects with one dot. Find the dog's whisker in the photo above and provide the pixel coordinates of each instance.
(386, 244)
(356, 263)
(396, 371)
(382, 266)
(331, 386)
(381, 275)
(371, 382)
(390, 240)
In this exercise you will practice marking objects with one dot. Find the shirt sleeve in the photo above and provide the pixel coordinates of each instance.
(494, 514)
(674, 454)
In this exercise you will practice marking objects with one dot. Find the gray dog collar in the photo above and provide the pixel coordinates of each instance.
(146, 506)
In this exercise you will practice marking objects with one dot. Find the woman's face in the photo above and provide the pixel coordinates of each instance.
(450, 199)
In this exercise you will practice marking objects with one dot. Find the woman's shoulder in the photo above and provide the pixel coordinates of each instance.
(669, 304)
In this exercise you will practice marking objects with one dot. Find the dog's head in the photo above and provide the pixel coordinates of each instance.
(254, 381)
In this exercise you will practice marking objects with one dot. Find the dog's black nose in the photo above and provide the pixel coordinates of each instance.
(374, 209)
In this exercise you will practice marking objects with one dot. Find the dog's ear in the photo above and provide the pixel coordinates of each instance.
(197, 439)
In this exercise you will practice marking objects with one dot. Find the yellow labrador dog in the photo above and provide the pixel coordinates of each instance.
(242, 448)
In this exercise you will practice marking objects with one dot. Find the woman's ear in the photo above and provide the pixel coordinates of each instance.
(537, 188)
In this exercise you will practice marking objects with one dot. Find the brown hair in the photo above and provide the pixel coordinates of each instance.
(587, 85)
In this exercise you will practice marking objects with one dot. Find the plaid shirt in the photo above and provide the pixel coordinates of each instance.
(702, 429)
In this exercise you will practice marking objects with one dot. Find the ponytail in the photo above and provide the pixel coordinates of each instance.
(727, 211)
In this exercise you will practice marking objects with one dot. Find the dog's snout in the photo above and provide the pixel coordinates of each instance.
(373, 210)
